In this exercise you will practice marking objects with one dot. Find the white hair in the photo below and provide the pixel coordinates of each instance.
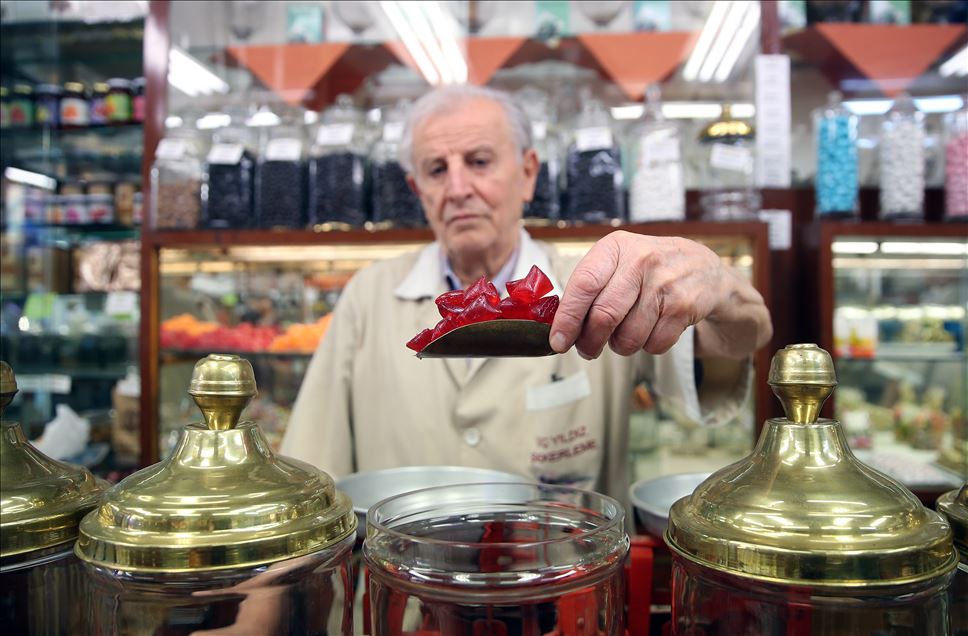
(447, 98)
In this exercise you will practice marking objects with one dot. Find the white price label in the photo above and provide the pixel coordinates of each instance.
(334, 134)
(539, 130)
(170, 149)
(780, 228)
(283, 150)
(226, 154)
(392, 131)
(124, 303)
(659, 147)
(732, 158)
(596, 138)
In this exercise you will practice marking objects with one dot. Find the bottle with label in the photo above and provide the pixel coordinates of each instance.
(594, 168)
(4, 107)
(99, 104)
(956, 163)
(394, 203)
(836, 181)
(175, 183)
(74, 106)
(138, 103)
(727, 169)
(656, 188)
(118, 100)
(280, 179)
(338, 167)
(902, 161)
(545, 204)
(227, 190)
(47, 105)
(21, 106)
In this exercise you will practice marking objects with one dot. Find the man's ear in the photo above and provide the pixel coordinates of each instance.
(413, 184)
(530, 165)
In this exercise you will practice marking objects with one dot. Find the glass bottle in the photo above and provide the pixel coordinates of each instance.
(175, 182)
(227, 188)
(118, 100)
(594, 167)
(99, 103)
(545, 204)
(727, 169)
(4, 107)
(836, 182)
(74, 106)
(280, 179)
(338, 165)
(394, 202)
(21, 106)
(656, 188)
(956, 164)
(902, 160)
(47, 105)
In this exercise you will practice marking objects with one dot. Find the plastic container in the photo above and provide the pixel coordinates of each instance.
(956, 164)
(394, 203)
(497, 558)
(175, 182)
(902, 161)
(280, 179)
(75, 108)
(594, 168)
(338, 167)
(227, 189)
(656, 188)
(727, 166)
(836, 182)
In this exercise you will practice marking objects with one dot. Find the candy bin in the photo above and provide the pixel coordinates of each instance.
(42, 502)
(545, 204)
(954, 506)
(656, 191)
(227, 186)
(222, 535)
(593, 167)
(337, 168)
(394, 203)
(280, 180)
(802, 538)
(727, 169)
(835, 130)
(496, 559)
(956, 163)
(902, 161)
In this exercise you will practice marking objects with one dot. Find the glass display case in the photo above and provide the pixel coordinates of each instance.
(70, 158)
(894, 314)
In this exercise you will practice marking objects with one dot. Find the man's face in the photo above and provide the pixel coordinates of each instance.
(471, 178)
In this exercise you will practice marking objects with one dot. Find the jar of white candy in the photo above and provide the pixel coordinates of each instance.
(656, 190)
(902, 160)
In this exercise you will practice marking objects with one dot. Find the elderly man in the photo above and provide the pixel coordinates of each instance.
(659, 304)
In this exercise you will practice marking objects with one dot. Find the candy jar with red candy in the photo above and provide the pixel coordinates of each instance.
(956, 164)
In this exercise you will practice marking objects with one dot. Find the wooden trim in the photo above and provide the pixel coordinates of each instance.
(770, 36)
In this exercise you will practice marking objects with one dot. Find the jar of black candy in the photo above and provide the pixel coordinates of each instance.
(594, 168)
(338, 165)
(280, 179)
(394, 203)
(227, 187)
(545, 203)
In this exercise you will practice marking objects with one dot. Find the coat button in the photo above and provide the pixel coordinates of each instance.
(472, 436)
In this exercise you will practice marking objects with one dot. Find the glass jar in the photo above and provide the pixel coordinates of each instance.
(956, 164)
(47, 104)
(75, 109)
(22, 106)
(138, 103)
(836, 183)
(337, 168)
(4, 107)
(280, 179)
(497, 559)
(656, 188)
(99, 104)
(902, 161)
(593, 170)
(545, 204)
(124, 191)
(727, 169)
(394, 203)
(118, 100)
(227, 189)
(175, 184)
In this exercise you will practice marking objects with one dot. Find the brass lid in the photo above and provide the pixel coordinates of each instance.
(801, 509)
(41, 500)
(726, 128)
(222, 500)
(954, 505)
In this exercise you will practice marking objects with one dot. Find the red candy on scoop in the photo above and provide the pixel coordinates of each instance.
(481, 302)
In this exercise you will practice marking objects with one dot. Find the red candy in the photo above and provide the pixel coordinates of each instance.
(481, 302)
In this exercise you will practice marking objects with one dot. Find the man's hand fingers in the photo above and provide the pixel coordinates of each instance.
(589, 278)
(635, 330)
(609, 310)
(665, 334)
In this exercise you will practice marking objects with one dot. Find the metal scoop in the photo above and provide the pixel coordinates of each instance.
(500, 338)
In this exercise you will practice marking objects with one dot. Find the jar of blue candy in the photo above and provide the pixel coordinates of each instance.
(835, 131)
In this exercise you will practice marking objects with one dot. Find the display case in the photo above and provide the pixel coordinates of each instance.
(892, 310)
(70, 158)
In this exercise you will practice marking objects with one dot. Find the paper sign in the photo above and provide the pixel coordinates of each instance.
(283, 150)
(334, 134)
(773, 144)
(732, 158)
(392, 131)
(170, 149)
(121, 304)
(781, 228)
(659, 147)
(596, 138)
(226, 154)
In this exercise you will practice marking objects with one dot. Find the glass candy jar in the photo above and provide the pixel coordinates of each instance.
(394, 203)
(902, 160)
(338, 166)
(223, 535)
(656, 188)
(956, 164)
(497, 559)
(802, 538)
(727, 169)
(594, 167)
(545, 204)
(280, 179)
(836, 182)
(227, 188)
(176, 181)
(954, 506)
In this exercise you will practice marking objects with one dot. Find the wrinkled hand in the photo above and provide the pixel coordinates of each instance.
(639, 292)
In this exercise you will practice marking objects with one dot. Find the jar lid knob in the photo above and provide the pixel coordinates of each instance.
(222, 385)
(8, 385)
(802, 376)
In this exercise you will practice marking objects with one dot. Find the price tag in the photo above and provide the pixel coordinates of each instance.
(392, 131)
(121, 304)
(226, 154)
(284, 150)
(44, 383)
(781, 228)
(659, 147)
(732, 158)
(334, 134)
(170, 149)
(539, 130)
(595, 138)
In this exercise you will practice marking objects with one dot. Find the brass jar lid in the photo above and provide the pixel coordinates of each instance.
(42, 500)
(801, 509)
(726, 129)
(954, 505)
(222, 499)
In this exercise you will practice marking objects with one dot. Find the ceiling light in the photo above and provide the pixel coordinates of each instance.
(726, 34)
(447, 31)
(263, 117)
(173, 121)
(213, 120)
(957, 64)
(410, 41)
(30, 178)
(709, 29)
(932, 104)
(191, 76)
(854, 247)
(751, 20)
